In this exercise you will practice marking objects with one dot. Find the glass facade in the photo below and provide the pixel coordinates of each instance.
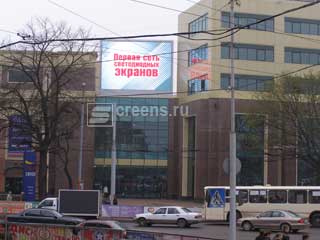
(248, 52)
(199, 24)
(198, 54)
(250, 149)
(200, 84)
(142, 146)
(302, 56)
(243, 19)
(247, 82)
(302, 26)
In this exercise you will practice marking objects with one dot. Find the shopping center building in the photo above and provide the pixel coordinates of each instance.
(273, 47)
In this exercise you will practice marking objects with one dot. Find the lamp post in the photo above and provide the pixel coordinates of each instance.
(233, 174)
(80, 180)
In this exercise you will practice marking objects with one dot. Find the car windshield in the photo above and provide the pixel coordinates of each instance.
(186, 210)
(292, 214)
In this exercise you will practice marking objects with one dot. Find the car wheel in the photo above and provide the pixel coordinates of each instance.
(285, 228)
(246, 226)
(142, 222)
(182, 223)
(315, 220)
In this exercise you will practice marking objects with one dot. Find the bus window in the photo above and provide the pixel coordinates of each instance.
(258, 196)
(243, 196)
(277, 196)
(297, 196)
(314, 196)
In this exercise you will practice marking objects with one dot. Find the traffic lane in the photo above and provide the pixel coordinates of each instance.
(214, 231)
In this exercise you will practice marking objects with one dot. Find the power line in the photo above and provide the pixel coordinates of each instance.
(203, 5)
(83, 17)
(7, 31)
(238, 26)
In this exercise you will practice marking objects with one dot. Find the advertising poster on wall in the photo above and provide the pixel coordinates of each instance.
(19, 140)
(137, 65)
(29, 176)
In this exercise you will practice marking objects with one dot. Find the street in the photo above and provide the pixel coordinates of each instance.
(214, 231)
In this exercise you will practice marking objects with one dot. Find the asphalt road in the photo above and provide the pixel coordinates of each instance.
(215, 231)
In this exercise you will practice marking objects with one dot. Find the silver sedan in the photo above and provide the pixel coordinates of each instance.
(285, 221)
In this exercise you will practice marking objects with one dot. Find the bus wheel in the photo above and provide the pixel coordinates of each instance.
(315, 220)
(246, 226)
(285, 228)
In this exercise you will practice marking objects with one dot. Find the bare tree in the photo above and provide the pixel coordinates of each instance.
(293, 110)
(42, 86)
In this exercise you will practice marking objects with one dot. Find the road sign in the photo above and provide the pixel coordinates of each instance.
(226, 167)
(217, 198)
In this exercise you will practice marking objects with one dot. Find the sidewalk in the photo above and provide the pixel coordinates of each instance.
(159, 202)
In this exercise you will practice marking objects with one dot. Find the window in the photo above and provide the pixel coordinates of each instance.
(198, 54)
(199, 84)
(248, 52)
(314, 196)
(258, 196)
(241, 195)
(247, 82)
(302, 56)
(297, 196)
(302, 26)
(266, 214)
(243, 19)
(45, 213)
(20, 76)
(277, 196)
(277, 214)
(32, 212)
(161, 211)
(186, 210)
(199, 24)
(47, 203)
(173, 211)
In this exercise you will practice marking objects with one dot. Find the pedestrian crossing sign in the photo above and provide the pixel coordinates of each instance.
(217, 198)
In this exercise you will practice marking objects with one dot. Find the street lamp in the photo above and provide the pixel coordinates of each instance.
(80, 180)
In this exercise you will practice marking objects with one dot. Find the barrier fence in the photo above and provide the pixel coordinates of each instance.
(23, 231)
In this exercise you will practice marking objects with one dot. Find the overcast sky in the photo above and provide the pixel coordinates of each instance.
(121, 16)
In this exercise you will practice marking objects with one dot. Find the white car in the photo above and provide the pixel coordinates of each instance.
(183, 217)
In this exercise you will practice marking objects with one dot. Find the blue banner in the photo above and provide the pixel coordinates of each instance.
(29, 176)
(19, 139)
(217, 198)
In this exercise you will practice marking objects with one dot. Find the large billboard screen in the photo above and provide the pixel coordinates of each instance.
(136, 65)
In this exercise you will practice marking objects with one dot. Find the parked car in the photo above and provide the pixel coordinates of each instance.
(183, 217)
(285, 221)
(104, 224)
(36, 215)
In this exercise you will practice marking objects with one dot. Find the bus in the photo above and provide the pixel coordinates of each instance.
(303, 200)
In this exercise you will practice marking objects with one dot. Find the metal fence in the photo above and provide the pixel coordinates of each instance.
(23, 231)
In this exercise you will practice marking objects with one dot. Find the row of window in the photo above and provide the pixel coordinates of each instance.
(247, 82)
(199, 24)
(198, 54)
(248, 52)
(302, 56)
(302, 26)
(277, 196)
(200, 84)
(292, 25)
(243, 19)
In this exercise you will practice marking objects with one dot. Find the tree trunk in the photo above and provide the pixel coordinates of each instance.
(42, 175)
(69, 178)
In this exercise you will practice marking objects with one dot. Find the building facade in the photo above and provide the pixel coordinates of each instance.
(262, 51)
